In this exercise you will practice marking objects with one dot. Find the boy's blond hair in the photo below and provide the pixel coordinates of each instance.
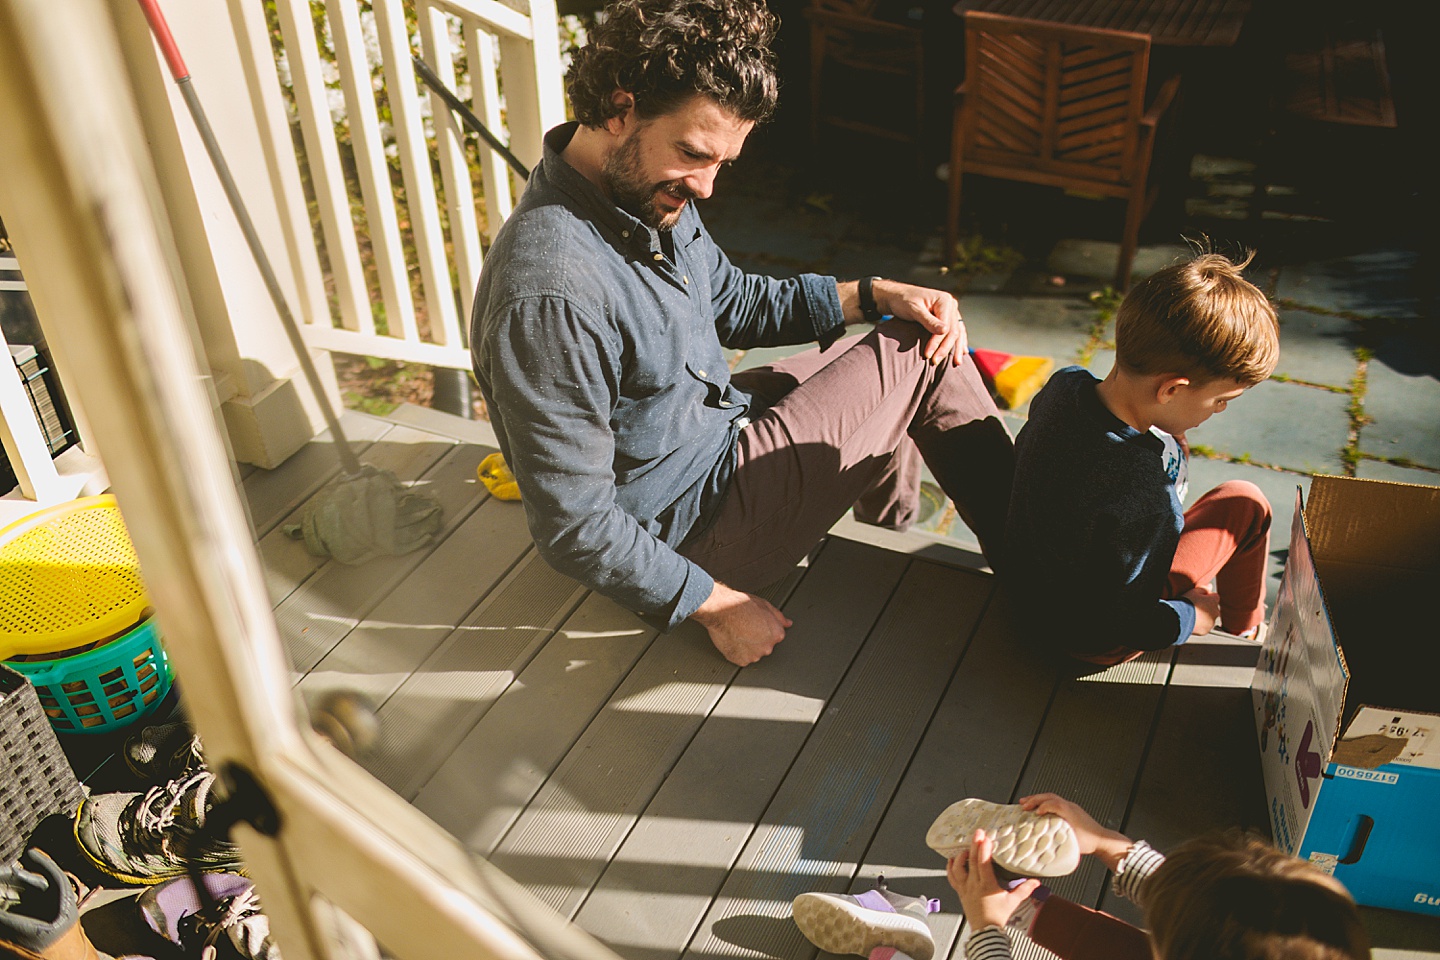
(1201, 320)
(1232, 896)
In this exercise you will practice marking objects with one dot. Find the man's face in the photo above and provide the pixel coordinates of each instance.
(662, 163)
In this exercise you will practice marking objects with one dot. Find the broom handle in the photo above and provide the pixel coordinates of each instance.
(348, 462)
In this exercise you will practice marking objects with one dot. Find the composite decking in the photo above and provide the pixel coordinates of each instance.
(672, 804)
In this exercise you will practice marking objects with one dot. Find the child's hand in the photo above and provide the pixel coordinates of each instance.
(984, 901)
(1109, 845)
(1207, 609)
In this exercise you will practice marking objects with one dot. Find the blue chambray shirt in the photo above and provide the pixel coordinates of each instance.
(600, 360)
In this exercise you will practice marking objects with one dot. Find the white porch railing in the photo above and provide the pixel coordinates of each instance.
(407, 296)
(400, 260)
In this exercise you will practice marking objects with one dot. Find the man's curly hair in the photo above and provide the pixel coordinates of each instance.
(663, 52)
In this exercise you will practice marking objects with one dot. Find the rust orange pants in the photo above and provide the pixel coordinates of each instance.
(1226, 542)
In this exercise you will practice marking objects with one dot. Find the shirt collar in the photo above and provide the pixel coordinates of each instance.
(592, 199)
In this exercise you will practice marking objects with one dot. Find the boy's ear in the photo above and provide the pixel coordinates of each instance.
(1170, 387)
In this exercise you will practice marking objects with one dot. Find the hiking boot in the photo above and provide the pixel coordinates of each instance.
(1026, 844)
(879, 918)
(164, 751)
(144, 838)
(40, 912)
(229, 926)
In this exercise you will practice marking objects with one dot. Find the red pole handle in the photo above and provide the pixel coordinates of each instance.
(161, 29)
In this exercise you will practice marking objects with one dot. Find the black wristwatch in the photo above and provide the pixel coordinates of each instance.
(868, 310)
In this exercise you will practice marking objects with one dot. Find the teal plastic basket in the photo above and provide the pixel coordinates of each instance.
(104, 688)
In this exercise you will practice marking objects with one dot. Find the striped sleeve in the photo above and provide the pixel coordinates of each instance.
(988, 943)
(1137, 866)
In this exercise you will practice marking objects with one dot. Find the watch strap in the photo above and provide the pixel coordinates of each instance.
(868, 309)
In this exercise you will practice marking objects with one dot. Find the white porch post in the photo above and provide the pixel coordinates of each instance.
(268, 408)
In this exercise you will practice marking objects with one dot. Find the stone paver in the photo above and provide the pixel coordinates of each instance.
(1406, 412)
(1378, 283)
(1317, 347)
(1379, 470)
(1052, 327)
(775, 228)
(1283, 424)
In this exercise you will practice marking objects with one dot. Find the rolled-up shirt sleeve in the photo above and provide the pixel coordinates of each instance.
(752, 310)
(556, 376)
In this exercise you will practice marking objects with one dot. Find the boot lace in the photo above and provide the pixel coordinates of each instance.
(155, 827)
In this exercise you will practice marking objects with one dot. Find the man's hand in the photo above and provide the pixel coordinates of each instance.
(1207, 609)
(984, 901)
(742, 626)
(935, 310)
(1109, 846)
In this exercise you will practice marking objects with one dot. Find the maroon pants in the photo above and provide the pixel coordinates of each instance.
(852, 424)
(1226, 541)
(1073, 932)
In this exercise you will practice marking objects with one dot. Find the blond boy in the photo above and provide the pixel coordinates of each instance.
(1103, 559)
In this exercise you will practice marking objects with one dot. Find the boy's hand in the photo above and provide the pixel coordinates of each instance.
(984, 901)
(1207, 609)
(1109, 845)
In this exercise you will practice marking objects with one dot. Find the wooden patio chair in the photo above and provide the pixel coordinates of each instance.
(847, 34)
(1062, 106)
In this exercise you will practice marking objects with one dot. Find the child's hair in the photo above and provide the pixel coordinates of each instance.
(1199, 319)
(1231, 896)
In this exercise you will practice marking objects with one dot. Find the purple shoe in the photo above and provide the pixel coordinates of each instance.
(231, 927)
(841, 923)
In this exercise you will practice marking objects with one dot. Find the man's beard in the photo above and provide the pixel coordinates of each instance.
(634, 194)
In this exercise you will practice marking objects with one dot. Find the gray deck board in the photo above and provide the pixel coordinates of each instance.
(672, 804)
(813, 834)
(321, 611)
(1091, 747)
(494, 773)
(976, 746)
(662, 879)
(437, 704)
(272, 494)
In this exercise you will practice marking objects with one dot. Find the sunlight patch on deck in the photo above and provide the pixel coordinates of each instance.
(740, 703)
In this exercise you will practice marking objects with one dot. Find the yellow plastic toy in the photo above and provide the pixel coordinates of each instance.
(495, 473)
(68, 578)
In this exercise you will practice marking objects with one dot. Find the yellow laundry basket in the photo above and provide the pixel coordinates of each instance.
(75, 617)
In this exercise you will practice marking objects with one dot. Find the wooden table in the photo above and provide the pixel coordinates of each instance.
(1169, 23)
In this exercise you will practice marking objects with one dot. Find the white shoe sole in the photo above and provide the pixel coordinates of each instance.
(1027, 844)
(837, 925)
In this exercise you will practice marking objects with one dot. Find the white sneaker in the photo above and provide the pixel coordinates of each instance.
(1026, 844)
(841, 923)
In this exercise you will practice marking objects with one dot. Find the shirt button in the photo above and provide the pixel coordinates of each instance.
(625, 234)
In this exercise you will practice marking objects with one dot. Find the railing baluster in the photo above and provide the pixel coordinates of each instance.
(326, 173)
(415, 165)
(485, 98)
(454, 170)
(370, 165)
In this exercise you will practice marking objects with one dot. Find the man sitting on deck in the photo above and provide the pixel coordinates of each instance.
(648, 473)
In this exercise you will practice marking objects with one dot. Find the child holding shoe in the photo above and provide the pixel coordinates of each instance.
(1102, 558)
(1223, 897)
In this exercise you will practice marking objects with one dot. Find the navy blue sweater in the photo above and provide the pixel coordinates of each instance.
(1093, 525)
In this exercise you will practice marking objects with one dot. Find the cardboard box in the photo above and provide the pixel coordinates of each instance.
(1347, 691)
